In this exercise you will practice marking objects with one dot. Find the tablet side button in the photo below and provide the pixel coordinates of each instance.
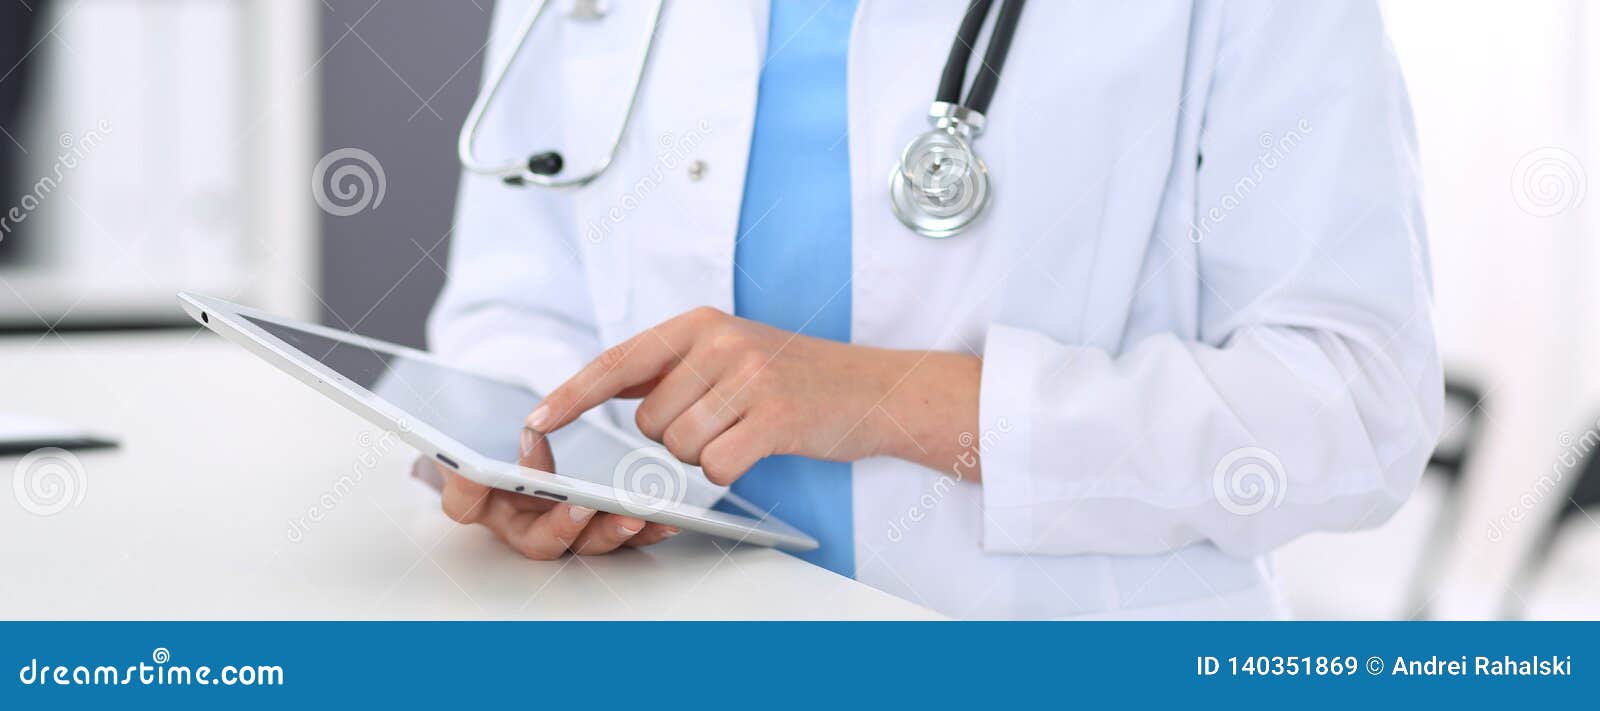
(548, 495)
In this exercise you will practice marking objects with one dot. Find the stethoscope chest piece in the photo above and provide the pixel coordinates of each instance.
(940, 185)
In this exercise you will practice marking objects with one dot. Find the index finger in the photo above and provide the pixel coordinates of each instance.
(632, 362)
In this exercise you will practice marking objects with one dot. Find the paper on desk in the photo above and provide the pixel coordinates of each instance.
(15, 427)
(20, 432)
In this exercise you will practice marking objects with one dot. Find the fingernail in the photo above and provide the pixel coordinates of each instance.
(670, 533)
(579, 514)
(529, 439)
(539, 417)
(624, 530)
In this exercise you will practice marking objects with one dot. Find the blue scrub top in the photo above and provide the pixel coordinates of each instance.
(793, 253)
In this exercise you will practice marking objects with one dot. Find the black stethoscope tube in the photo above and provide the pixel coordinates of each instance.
(994, 57)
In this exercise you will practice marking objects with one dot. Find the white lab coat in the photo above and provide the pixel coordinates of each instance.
(1205, 251)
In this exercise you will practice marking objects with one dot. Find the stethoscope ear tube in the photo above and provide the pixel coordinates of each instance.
(955, 66)
(994, 57)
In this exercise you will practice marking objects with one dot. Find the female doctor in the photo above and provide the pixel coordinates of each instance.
(1189, 322)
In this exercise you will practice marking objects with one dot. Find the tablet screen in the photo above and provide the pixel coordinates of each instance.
(483, 414)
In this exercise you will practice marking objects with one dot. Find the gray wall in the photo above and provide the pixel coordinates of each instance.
(397, 86)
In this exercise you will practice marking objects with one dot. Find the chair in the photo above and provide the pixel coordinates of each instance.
(1463, 421)
(1584, 493)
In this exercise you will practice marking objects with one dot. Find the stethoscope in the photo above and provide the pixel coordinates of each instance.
(939, 187)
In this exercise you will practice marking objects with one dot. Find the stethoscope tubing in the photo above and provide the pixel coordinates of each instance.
(520, 172)
(994, 56)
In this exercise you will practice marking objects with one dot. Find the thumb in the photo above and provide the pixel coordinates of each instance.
(535, 452)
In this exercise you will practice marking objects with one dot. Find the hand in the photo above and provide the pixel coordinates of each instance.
(723, 392)
(539, 528)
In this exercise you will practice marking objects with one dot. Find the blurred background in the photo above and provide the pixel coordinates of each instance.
(243, 148)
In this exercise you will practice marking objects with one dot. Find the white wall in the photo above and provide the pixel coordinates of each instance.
(1505, 101)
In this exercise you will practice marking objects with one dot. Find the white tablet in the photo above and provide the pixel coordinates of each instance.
(472, 423)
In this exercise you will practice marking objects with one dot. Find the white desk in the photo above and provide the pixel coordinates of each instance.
(190, 518)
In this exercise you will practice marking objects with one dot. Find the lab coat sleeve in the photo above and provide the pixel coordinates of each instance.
(1311, 398)
(515, 301)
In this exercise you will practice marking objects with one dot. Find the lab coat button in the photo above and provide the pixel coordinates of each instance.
(697, 170)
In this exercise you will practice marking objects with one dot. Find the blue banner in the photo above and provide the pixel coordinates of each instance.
(978, 665)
